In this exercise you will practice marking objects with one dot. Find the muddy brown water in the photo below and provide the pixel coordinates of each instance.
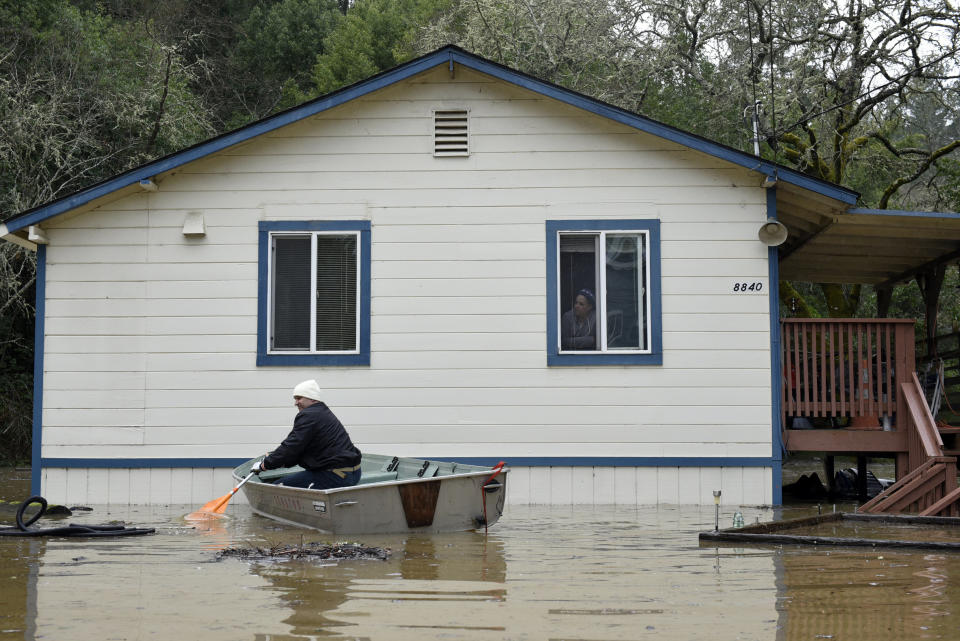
(541, 573)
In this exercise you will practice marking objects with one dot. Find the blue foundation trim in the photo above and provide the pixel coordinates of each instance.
(40, 306)
(531, 461)
(445, 56)
(117, 463)
(776, 370)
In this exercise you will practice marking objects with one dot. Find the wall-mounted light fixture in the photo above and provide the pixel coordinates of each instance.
(773, 233)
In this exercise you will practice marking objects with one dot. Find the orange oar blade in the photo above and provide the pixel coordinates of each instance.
(217, 506)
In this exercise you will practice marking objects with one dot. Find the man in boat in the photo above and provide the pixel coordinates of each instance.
(318, 443)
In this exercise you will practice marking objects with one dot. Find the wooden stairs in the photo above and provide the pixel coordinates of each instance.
(930, 486)
(929, 490)
(951, 438)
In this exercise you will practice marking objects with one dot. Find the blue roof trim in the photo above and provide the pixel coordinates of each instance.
(899, 212)
(530, 461)
(446, 55)
(229, 139)
(654, 127)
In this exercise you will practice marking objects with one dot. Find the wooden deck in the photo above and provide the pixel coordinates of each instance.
(843, 375)
(854, 381)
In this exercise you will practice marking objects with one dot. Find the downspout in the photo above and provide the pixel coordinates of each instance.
(776, 370)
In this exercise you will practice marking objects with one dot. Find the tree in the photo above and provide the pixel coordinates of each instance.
(82, 97)
(852, 81)
(863, 94)
(589, 46)
(279, 44)
(374, 36)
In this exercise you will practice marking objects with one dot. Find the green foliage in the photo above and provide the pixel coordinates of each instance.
(950, 172)
(583, 45)
(282, 41)
(349, 57)
(16, 353)
(83, 96)
(375, 35)
(33, 15)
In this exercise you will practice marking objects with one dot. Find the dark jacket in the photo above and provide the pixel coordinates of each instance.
(317, 441)
(574, 335)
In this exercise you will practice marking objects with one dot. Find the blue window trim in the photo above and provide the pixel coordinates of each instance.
(554, 357)
(266, 359)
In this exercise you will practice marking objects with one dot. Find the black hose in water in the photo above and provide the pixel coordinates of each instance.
(23, 529)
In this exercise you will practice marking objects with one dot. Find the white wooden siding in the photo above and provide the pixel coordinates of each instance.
(626, 486)
(151, 337)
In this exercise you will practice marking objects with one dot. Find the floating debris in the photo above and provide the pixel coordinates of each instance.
(73, 530)
(307, 550)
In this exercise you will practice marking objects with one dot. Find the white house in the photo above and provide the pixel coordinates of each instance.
(413, 242)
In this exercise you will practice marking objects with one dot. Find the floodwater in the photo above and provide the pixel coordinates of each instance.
(545, 573)
(888, 531)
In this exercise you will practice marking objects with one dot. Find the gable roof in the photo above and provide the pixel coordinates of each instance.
(449, 55)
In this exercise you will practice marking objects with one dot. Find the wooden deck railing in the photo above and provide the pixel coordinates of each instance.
(930, 487)
(849, 368)
(845, 367)
(923, 438)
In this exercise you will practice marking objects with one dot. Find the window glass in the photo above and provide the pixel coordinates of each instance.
(602, 309)
(291, 293)
(314, 293)
(625, 292)
(578, 287)
(336, 293)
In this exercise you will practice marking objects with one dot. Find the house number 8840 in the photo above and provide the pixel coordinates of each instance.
(742, 288)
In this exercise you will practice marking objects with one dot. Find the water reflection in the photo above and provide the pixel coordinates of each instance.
(541, 573)
(882, 594)
(358, 599)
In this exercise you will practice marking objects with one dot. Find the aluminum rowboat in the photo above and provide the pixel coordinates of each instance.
(394, 495)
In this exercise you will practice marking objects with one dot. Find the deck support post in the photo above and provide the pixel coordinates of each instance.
(901, 465)
(884, 298)
(931, 282)
(862, 479)
(830, 473)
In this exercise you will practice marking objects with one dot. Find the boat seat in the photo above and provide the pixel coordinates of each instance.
(269, 476)
(377, 477)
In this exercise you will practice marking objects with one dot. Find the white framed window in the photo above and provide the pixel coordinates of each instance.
(603, 292)
(314, 293)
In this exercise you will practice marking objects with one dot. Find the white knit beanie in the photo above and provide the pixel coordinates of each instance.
(308, 389)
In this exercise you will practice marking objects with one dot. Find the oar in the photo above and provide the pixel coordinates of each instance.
(219, 506)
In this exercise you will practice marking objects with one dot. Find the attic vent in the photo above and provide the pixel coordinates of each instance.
(450, 132)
